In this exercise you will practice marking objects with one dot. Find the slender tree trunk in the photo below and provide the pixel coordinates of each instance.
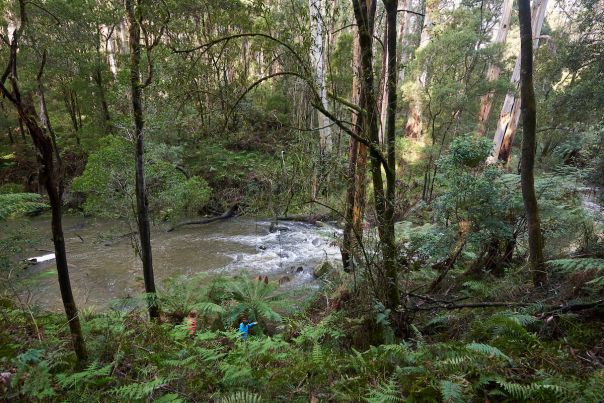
(142, 203)
(510, 111)
(22, 130)
(390, 265)
(382, 105)
(353, 230)
(105, 114)
(10, 135)
(390, 290)
(43, 143)
(70, 108)
(494, 71)
(529, 145)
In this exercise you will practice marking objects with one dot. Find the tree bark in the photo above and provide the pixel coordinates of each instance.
(529, 145)
(142, 203)
(47, 175)
(318, 60)
(383, 203)
(494, 71)
(390, 265)
(510, 111)
(357, 168)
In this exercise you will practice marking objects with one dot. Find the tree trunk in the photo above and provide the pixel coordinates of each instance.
(44, 145)
(494, 71)
(318, 61)
(413, 128)
(142, 204)
(389, 287)
(529, 145)
(357, 168)
(510, 112)
(388, 238)
(105, 115)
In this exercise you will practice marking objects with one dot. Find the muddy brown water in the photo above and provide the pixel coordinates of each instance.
(103, 266)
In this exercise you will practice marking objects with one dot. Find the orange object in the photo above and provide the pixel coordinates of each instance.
(192, 326)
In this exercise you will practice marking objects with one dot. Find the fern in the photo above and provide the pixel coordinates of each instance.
(241, 397)
(94, 374)
(526, 392)
(168, 398)
(137, 391)
(579, 264)
(487, 350)
(385, 392)
(451, 392)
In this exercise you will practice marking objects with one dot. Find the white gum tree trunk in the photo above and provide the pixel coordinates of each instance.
(318, 61)
(499, 36)
(510, 111)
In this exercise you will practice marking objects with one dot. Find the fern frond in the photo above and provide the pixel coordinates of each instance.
(451, 391)
(137, 391)
(385, 392)
(241, 397)
(487, 350)
(579, 264)
(92, 372)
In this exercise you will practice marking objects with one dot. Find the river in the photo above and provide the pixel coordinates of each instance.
(103, 266)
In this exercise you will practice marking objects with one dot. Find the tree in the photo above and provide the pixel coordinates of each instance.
(318, 60)
(357, 161)
(510, 111)
(383, 200)
(494, 71)
(50, 173)
(529, 144)
(134, 15)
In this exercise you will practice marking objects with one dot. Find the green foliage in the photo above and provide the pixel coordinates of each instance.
(137, 391)
(10, 188)
(241, 397)
(108, 182)
(15, 204)
(451, 391)
(578, 264)
(256, 299)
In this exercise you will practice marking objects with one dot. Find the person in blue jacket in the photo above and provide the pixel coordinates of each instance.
(244, 327)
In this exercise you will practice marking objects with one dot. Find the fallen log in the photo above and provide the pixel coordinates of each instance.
(40, 259)
(232, 212)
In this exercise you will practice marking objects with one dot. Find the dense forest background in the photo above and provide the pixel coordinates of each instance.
(457, 145)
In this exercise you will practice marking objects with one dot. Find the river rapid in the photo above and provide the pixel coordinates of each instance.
(103, 266)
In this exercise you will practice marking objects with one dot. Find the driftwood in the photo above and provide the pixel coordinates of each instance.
(232, 212)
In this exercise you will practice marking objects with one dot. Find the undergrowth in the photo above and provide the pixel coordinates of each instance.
(494, 354)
